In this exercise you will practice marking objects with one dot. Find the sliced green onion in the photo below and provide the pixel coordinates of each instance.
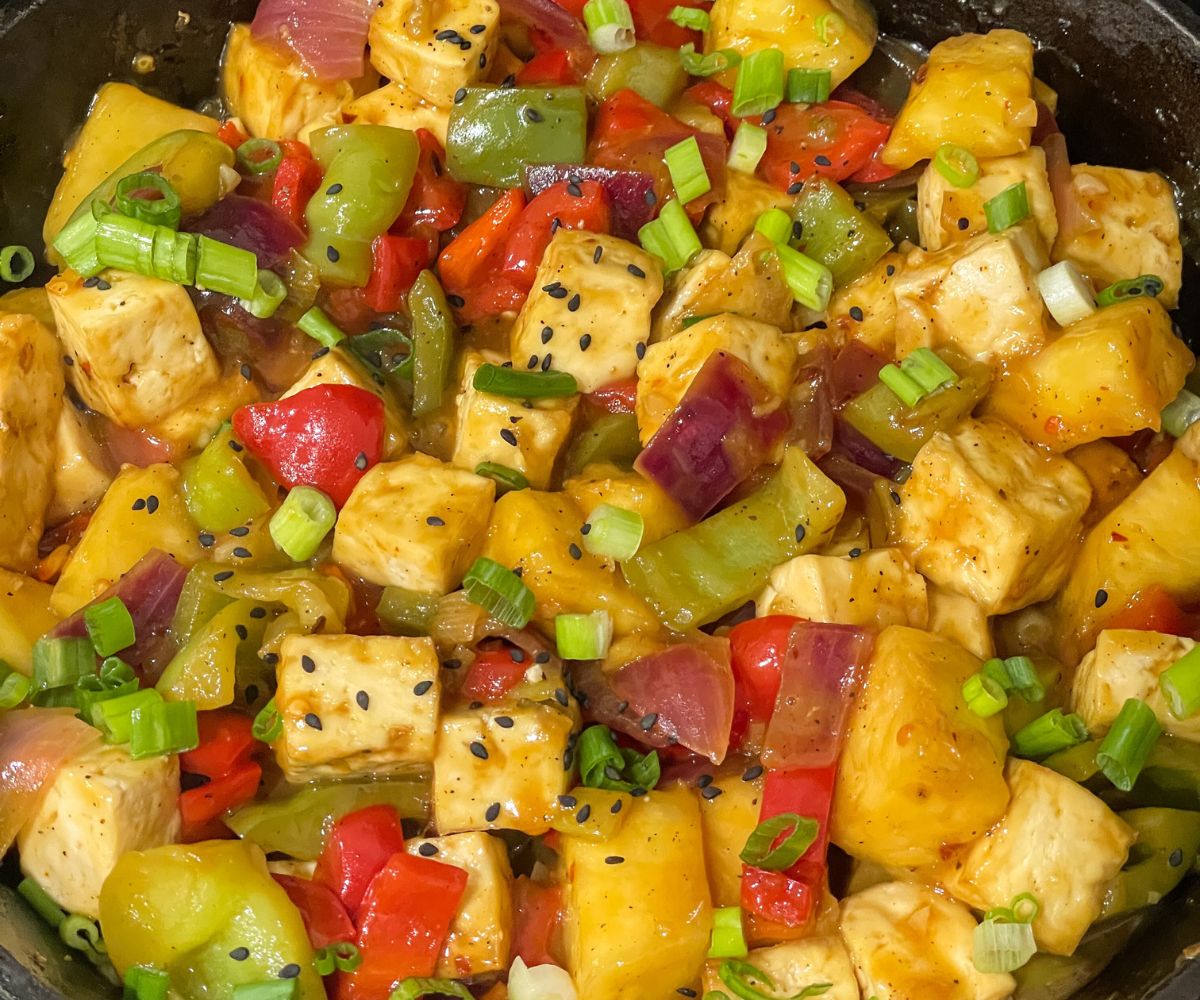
(1123, 753)
(110, 626)
(609, 25)
(114, 716)
(226, 269)
(128, 244)
(163, 727)
(502, 381)
(728, 939)
(268, 296)
(1008, 208)
(762, 851)
(775, 224)
(583, 637)
(1180, 684)
(1002, 947)
(690, 17)
(695, 64)
(500, 592)
(686, 167)
(984, 696)
(342, 956)
(597, 753)
(40, 900)
(1017, 673)
(82, 934)
(671, 237)
(1049, 734)
(1145, 285)
(918, 375)
(643, 770)
(614, 532)
(827, 26)
(505, 478)
(1066, 293)
(149, 197)
(268, 724)
(747, 149)
(59, 663)
(1025, 908)
(1179, 414)
(76, 245)
(811, 282)
(144, 982)
(957, 164)
(14, 687)
(301, 523)
(759, 84)
(115, 680)
(414, 987)
(268, 989)
(320, 327)
(809, 86)
(259, 156)
(16, 263)
(736, 974)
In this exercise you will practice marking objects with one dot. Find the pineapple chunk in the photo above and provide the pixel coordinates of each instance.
(840, 43)
(637, 905)
(878, 588)
(416, 523)
(728, 819)
(1106, 376)
(919, 769)
(481, 933)
(602, 322)
(908, 942)
(668, 368)
(1112, 473)
(598, 484)
(492, 777)
(31, 390)
(874, 295)
(1055, 840)
(142, 510)
(732, 219)
(975, 91)
(498, 429)
(355, 705)
(987, 515)
(194, 424)
(797, 965)
(135, 348)
(25, 616)
(1133, 228)
(399, 107)
(942, 207)
(961, 620)
(1127, 663)
(410, 44)
(588, 812)
(81, 470)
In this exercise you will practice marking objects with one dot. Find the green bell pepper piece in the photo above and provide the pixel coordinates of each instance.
(205, 670)
(1170, 779)
(495, 132)
(406, 612)
(613, 438)
(369, 171)
(654, 72)
(834, 232)
(1166, 848)
(1057, 977)
(219, 491)
(698, 574)
(433, 342)
(895, 211)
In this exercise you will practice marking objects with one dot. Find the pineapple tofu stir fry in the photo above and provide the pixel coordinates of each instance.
(595, 507)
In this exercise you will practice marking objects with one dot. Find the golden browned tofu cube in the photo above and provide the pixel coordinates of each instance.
(796, 965)
(399, 107)
(873, 296)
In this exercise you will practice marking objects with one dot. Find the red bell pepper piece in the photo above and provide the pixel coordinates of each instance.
(1153, 610)
(552, 68)
(296, 181)
(435, 198)
(231, 135)
(537, 910)
(324, 916)
(776, 897)
(397, 260)
(616, 397)
(226, 741)
(756, 650)
(523, 250)
(404, 919)
(327, 436)
(470, 265)
(492, 674)
(199, 807)
(358, 847)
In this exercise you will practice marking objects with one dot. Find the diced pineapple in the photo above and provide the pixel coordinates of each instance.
(416, 523)
(878, 588)
(29, 302)
(908, 942)
(81, 470)
(194, 424)
(433, 49)
(481, 933)
(980, 297)
(1131, 228)
(637, 905)
(837, 35)
(589, 812)
(874, 297)
(31, 391)
(959, 619)
(728, 819)
(976, 91)
(669, 366)
(947, 214)
(1105, 376)
(399, 107)
(1112, 473)
(488, 776)
(539, 533)
(732, 219)
(355, 705)
(919, 769)
(25, 616)
(598, 484)
(134, 345)
(503, 430)
(1055, 840)
(1127, 663)
(987, 515)
(142, 510)
(599, 312)
(797, 965)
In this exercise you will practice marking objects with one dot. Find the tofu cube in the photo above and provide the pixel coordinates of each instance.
(874, 296)
(135, 348)
(1107, 375)
(987, 515)
(961, 620)
(416, 523)
(81, 470)
(668, 368)
(878, 588)
(480, 936)
(433, 49)
(727, 821)
(797, 965)
(397, 106)
(1135, 230)
(908, 941)
(31, 391)
(598, 484)
(489, 777)
(25, 616)
(1057, 841)
(98, 807)
(506, 431)
(975, 91)
(732, 219)
(942, 207)
(355, 705)
(598, 312)
(194, 424)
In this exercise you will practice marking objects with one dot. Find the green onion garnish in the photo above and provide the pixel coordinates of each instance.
(1179, 414)
(614, 532)
(957, 164)
(505, 478)
(414, 987)
(114, 716)
(110, 626)
(1180, 684)
(686, 167)
(226, 269)
(259, 156)
(747, 149)
(1145, 285)
(775, 224)
(163, 727)
(268, 296)
(320, 327)
(1049, 734)
(1066, 292)
(500, 592)
(59, 663)
(14, 687)
(583, 637)
(115, 680)
(984, 696)
(16, 263)
(341, 956)
(602, 764)
(1008, 208)
(690, 17)
(268, 989)
(670, 237)
(759, 84)
(918, 375)
(268, 724)
(1002, 947)
(695, 64)
(736, 974)
(82, 934)
(76, 244)
(728, 939)
(501, 381)
(609, 25)
(811, 282)
(1125, 749)
(149, 197)
(828, 25)
(809, 86)
(40, 900)
(144, 982)
(764, 849)
(301, 523)
(1017, 673)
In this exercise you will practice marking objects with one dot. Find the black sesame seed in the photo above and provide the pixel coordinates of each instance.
(623, 707)
(1101, 598)
(224, 575)
(583, 814)
(504, 721)
(313, 721)
(547, 333)
(895, 497)
(139, 503)
(710, 793)
(568, 801)
(597, 254)
(614, 859)
(651, 198)
(445, 35)
(587, 527)
(533, 116)
(891, 270)
(235, 446)
(704, 781)
(558, 293)
(319, 353)
(560, 695)
(251, 693)
(800, 532)
(482, 59)
(508, 82)
(240, 954)
(241, 552)
(547, 361)
(434, 521)
(794, 167)
(797, 229)
(964, 223)
(752, 772)
(478, 29)
(102, 285)
(479, 750)
(453, 663)
(289, 971)
(794, 188)
(245, 373)
(91, 282)
(855, 553)
(508, 437)
(768, 116)
(640, 350)
(206, 540)
(616, 806)
(258, 613)
(856, 314)
(575, 550)
(647, 721)
(552, 287)
(151, 504)
(683, 991)
(363, 699)
(241, 531)
(422, 688)
(460, 95)
(822, 161)
(541, 656)
(360, 461)
(1176, 858)
(270, 659)
(457, 301)
(636, 271)
(427, 850)
(637, 793)
(332, 253)
(307, 664)
(493, 812)
(517, 655)
(575, 191)
(242, 632)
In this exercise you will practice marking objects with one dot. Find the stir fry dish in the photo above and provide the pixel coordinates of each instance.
(623, 500)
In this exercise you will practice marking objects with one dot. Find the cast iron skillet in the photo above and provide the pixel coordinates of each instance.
(1128, 72)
